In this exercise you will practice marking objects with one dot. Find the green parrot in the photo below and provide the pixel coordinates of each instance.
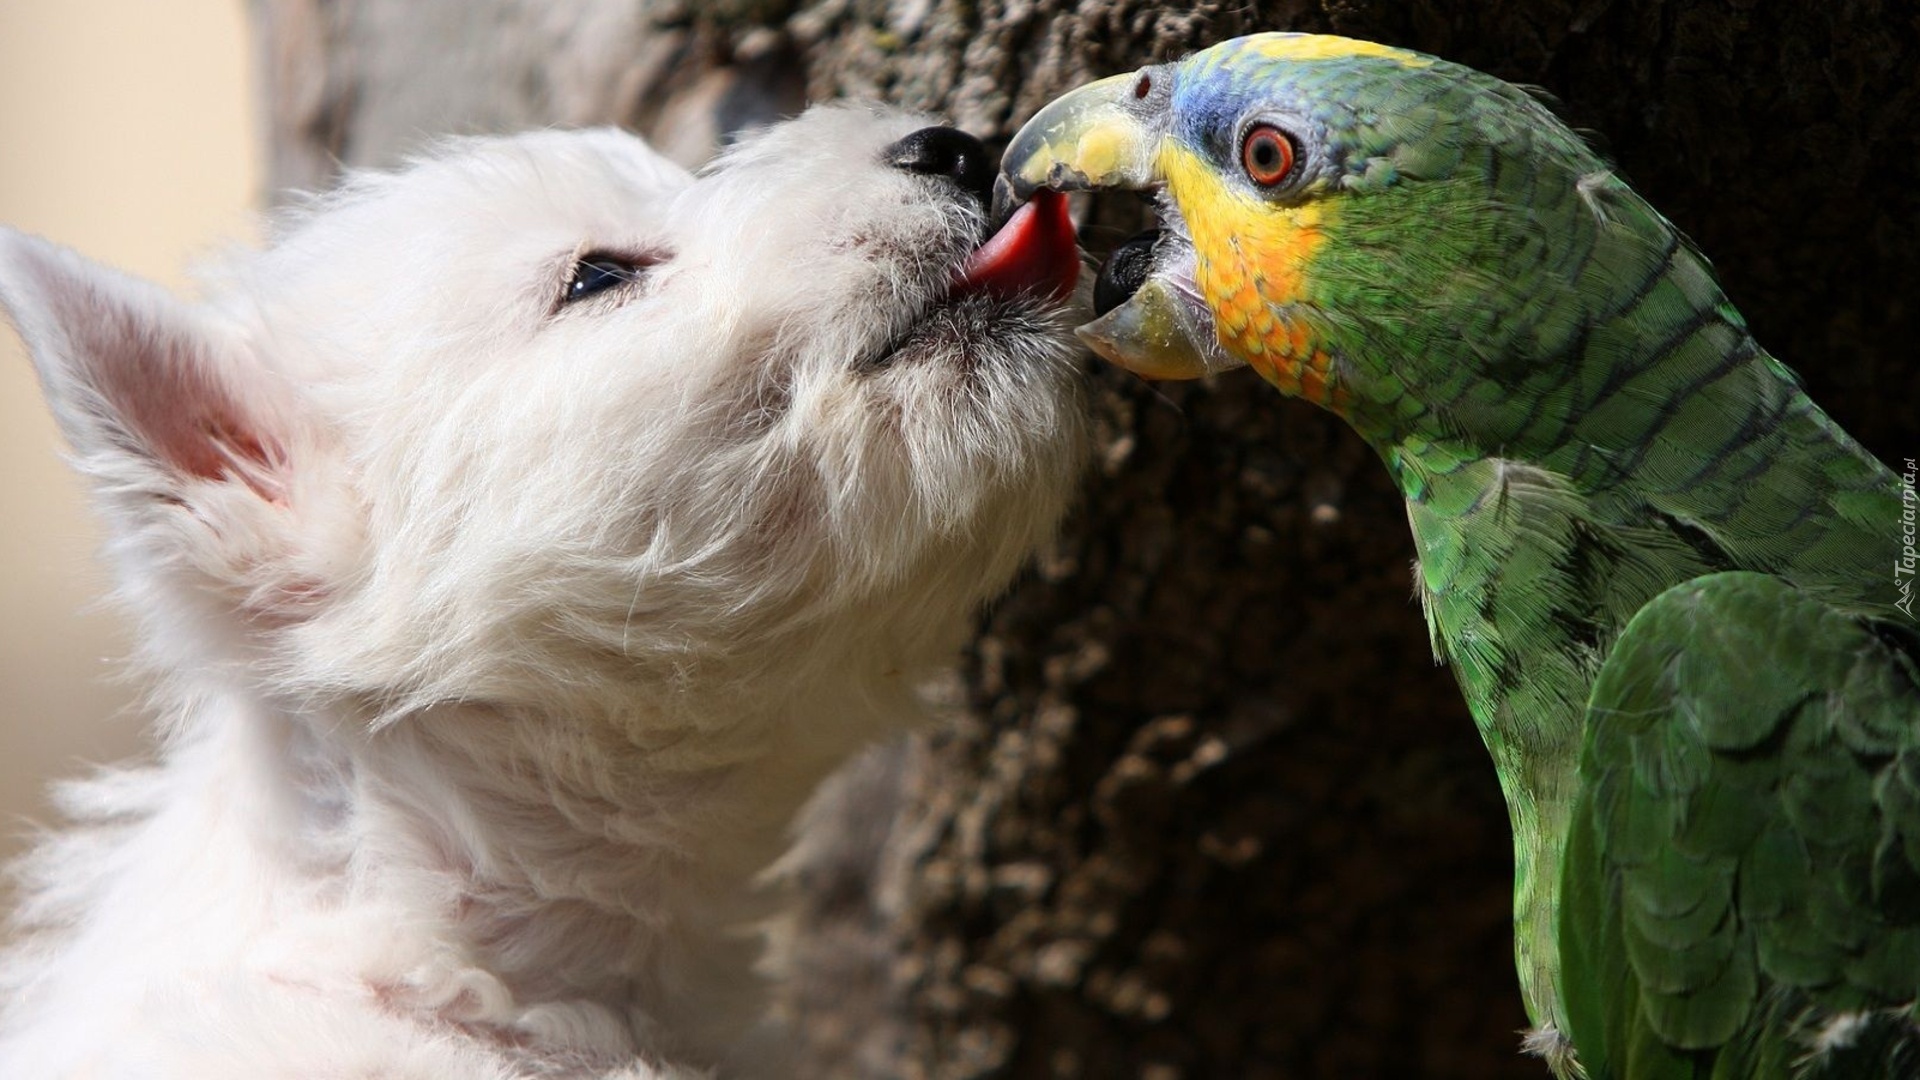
(1671, 588)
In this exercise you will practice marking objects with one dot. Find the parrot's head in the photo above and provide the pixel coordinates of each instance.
(1395, 237)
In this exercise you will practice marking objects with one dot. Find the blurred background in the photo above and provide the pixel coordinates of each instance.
(126, 132)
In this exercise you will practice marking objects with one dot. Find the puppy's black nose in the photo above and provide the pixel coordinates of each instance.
(949, 152)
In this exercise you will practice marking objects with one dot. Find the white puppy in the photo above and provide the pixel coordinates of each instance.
(518, 540)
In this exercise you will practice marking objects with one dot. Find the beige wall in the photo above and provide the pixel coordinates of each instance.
(125, 132)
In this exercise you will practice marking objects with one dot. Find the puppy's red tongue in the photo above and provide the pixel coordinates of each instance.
(1033, 253)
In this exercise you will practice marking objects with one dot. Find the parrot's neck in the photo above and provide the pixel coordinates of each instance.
(1523, 645)
(1532, 558)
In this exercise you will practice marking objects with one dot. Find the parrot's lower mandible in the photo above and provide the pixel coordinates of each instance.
(1661, 573)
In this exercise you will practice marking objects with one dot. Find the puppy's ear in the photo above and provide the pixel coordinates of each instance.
(185, 436)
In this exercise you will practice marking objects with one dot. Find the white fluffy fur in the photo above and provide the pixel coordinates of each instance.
(499, 640)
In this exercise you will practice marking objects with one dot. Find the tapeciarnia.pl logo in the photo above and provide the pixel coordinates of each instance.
(1903, 567)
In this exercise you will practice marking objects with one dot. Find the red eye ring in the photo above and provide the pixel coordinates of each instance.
(1267, 154)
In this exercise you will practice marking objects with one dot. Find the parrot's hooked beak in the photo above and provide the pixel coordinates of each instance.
(1107, 136)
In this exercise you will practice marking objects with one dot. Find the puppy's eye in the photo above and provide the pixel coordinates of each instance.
(598, 273)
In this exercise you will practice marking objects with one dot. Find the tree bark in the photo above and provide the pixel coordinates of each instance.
(1207, 807)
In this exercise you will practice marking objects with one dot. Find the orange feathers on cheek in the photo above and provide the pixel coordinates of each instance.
(1253, 259)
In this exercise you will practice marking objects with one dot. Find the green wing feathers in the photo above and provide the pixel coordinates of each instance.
(1741, 893)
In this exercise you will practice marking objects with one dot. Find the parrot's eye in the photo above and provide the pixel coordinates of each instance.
(599, 271)
(1267, 155)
